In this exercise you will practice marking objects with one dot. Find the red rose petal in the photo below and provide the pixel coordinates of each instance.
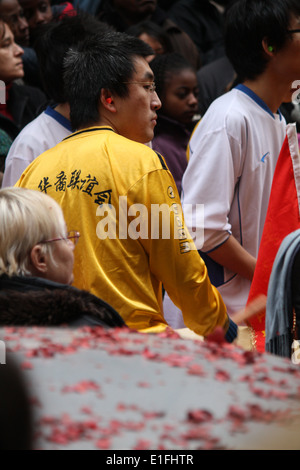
(103, 443)
(26, 365)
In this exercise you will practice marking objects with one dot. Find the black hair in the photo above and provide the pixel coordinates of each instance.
(164, 66)
(105, 61)
(154, 31)
(247, 23)
(54, 40)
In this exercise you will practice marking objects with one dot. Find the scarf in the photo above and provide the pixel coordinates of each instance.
(279, 309)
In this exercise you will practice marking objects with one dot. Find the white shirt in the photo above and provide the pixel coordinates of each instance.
(233, 154)
(44, 132)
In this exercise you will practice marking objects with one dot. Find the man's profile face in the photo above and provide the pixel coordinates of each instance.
(12, 13)
(285, 60)
(136, 113)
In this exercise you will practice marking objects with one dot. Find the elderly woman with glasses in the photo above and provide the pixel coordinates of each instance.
(36, 266)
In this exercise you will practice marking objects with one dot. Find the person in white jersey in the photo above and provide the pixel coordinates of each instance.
(53, 125)
(234, 149)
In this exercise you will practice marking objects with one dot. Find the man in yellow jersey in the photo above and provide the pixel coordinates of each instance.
(120, 194)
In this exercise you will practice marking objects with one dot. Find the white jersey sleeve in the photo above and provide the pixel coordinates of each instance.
(214, 168)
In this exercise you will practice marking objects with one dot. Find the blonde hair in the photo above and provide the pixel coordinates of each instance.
(27, 217)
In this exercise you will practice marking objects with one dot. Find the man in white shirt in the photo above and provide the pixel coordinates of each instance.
(44, 132)
(234, 150)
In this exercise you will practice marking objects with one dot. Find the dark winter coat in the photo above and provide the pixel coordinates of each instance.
(31, 301)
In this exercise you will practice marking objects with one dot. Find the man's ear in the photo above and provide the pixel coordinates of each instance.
(107, 100)
(267, 47)
(38, 260)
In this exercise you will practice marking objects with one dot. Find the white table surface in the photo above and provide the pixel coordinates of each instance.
(121, 390)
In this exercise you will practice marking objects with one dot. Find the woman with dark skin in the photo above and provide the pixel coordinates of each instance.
(177, 87)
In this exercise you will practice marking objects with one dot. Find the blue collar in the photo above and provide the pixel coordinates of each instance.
(58, 117)
(257, 99)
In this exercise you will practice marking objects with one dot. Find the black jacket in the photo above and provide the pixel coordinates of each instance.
(24, 103)
(203, 22)
(31, 301)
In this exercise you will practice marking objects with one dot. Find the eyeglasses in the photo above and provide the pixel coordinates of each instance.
(72, 236)
(293, 30)
(149, 86)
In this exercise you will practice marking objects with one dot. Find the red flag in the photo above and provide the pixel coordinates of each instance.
(283, 217)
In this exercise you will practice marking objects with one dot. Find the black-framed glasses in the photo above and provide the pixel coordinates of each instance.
(293, 30)
(72, 236)
(150, 86)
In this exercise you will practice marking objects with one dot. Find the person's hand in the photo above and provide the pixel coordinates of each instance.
(255, 307)
(245, 334)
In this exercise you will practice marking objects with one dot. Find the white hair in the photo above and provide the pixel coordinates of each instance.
(27, 217)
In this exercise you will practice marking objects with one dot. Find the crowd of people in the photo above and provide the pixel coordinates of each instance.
(118, 119)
